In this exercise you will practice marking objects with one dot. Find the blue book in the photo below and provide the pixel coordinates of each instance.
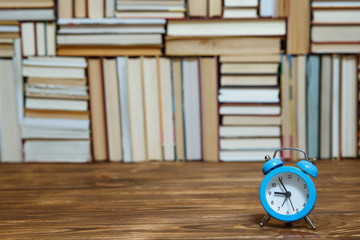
(313, 104)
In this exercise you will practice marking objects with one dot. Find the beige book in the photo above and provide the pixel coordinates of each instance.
(285, 107)
(251, 58)
(197, 8)
(335, 48)
(210, 46)
(95, 8)
(251, 120)
(112, 106)
(40, 39)
(80, 8)
(111, 51)
(28, 38)
(152, 107)
(27, 4)
(56, 114)
(179, 118)
(57, 81)
(249, 80)
(65, 8)
(55, 96)
(209, 109)
(97, 110)
(248, 68)
(214, 8)
(6, 50)
(136, 110)
(50, 39)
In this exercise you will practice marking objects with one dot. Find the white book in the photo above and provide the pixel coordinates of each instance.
(30, 132)
(265, 27)
(167, 110)
(109, 8)
(250, 110)
(56, 104)
(19, 81)
(53, 72)
(149, 14)
(112, 21)
(336, 16)
(349, 102)
(250, 143)
(9, 126)
(57, 123)
(249, 80)
(124, 108)
(9, 29)
(73, 62)
(28, 38)
(191, 105)
(335, 4)
(50, 39)
(245, 155)
(40, 39)
(103, 29)
(335, 129)
(152, 108)
(57, 151)
(241, 3)
(249, 131)
(333, 33)
(267, 8)
(57, 89)
(27, 14)
(249, 95)
(110, 39)
(240, 13)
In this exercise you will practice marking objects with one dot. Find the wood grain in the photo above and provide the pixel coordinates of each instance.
(165, 201)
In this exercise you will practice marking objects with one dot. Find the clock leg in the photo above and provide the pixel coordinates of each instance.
(265, 219)
(308, 220)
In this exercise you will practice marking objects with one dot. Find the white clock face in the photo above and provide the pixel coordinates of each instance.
(287, 193)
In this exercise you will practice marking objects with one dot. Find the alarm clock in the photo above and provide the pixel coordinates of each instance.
(288, 193)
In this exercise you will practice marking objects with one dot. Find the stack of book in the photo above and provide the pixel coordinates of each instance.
(24, 10)
(150, 9)
(38, 38)
(335, 27)
(86, 9)
(56, 126)
(159, 103)
(241, 9)
(8, 32)
(110, 37)
(249, 98)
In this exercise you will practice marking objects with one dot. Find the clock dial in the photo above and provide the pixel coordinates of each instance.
(287, 193)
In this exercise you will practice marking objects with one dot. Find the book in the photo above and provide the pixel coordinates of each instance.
(248, 80)
(136, 110)
(152, 107)
(109, 8)
(270, 144)
(313, 104)
(241, 3)
(298, 28)
(65, 8)
(10, 139)
(197, 8)
(124, 108)
(335, 107)
(286, 137)
(249, 68)
(56, 104)
(259, 109)
(27, 14)
(215, 8)
(210, 46)
(248, 27)
(166, 111)
(249, 131)
(325, 107)
(27, 4)
(335, 48)
(52, 72)
(57, 151)
(57, 81)
(252, 58)
(95, 8)
(334, 4)
(56, 114)
(249, 95)
(250, 120)
(97, 110)
(335, 16)
(110, 51)
(335, 33)
(209, 108)
(178, 105)
(112, 109)
(28, 37)
(240, 13)
(191, 105)
(348, 106)
(244, 155)
(79, 9)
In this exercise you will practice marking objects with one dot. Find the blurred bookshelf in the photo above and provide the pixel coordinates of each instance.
(178, 80)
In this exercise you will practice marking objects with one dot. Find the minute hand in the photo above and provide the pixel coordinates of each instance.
(282, 185)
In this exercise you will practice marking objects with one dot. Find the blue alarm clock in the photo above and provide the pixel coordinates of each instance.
(288, 193)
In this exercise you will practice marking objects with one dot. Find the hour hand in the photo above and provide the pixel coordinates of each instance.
(280, 193)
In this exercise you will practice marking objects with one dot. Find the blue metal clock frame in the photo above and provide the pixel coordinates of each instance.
(309, 205)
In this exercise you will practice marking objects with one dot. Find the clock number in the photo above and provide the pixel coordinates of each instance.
(273, 184)
(297, 210)
(280, 178)
(307, 195)
(304, 204)
(272, 202)
(304, 185)
(289, 176)
(269, 192)
(298, 178)
(278, 208)
(287, 213)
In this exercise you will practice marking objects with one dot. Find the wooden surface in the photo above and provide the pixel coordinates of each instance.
(165, 201)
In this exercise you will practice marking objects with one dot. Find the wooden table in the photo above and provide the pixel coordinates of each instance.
(165, 201)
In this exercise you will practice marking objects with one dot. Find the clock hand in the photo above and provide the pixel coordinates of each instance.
(280, 193)
(291, 204)
(282, 185)
(284, 201)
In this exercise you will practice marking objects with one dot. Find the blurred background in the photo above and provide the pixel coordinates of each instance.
(178, 80)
